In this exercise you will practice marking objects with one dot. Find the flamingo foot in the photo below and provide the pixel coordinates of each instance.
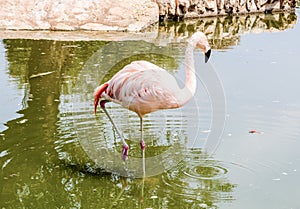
(143, 145)
(125, 152)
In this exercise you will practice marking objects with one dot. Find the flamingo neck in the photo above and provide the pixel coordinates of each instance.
(190, 78)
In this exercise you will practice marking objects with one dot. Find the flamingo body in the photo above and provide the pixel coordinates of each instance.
(141, 87)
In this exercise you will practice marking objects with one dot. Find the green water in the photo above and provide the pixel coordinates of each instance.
(55, 153)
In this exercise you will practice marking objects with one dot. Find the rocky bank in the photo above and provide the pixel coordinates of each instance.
(204, 8)
(120, 15)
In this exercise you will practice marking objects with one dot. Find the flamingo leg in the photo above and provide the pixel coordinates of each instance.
(125, 145)
(143, 146)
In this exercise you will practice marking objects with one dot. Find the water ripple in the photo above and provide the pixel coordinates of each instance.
(206, 171)
(199, 179)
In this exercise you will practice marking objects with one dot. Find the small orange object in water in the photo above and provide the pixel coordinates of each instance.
(254, 132)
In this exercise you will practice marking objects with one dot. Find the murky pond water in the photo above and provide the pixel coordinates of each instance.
(235, 145)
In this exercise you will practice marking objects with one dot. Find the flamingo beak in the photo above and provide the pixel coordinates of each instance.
(207, 55)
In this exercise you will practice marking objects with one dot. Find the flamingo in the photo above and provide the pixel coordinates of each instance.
(143, 87)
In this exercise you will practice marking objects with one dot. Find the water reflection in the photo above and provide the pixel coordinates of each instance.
(44, 155)
(27, 169)
(225, 32)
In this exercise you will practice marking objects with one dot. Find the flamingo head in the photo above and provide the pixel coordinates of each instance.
(199, 40)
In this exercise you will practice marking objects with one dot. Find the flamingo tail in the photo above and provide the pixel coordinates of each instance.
(98, 92)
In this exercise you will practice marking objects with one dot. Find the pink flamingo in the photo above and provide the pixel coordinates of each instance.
(143, 87)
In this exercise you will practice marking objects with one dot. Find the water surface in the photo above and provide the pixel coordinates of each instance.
(55, 153)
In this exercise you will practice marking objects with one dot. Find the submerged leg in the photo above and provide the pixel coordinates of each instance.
(143, 146)
(125, 145)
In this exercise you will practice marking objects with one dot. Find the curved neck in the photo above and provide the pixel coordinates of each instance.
(189, 89)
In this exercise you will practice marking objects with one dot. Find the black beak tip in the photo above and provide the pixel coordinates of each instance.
(207, 55)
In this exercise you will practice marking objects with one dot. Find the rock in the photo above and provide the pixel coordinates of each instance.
(211, 6)
(202, 8)
(132, 15)
(274, 6)
(251, 6)
(120, 15)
